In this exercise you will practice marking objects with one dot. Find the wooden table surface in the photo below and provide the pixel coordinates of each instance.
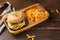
(47, 30)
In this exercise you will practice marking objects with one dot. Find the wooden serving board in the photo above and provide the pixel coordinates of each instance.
(29, 25)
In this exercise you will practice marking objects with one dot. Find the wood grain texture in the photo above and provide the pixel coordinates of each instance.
(30, 25)
(41, 34)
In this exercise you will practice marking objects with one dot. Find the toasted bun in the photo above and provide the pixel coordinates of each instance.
(15, 19)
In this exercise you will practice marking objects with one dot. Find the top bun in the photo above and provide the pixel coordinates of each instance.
(15, 17)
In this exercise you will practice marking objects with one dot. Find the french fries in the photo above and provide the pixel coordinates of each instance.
(34, 14)
(56, 10)
(32, 37)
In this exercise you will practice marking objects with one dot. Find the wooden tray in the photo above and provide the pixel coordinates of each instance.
(29, 25)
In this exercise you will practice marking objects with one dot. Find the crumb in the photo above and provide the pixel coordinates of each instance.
(52, 11)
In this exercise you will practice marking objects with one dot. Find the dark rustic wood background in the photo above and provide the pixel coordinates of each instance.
(48, 30)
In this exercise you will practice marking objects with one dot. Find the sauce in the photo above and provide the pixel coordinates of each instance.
(2, 8)
(0, 17)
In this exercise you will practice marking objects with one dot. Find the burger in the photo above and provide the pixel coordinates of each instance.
(16, 20)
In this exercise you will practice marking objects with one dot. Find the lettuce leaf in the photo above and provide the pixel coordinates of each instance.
(15, 27)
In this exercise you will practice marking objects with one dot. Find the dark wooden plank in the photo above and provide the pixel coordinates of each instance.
(41, 31)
